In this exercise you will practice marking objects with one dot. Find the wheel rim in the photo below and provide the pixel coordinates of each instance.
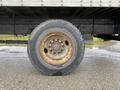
(56, 48)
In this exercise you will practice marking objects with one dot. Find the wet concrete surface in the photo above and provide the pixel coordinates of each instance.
(99, 70)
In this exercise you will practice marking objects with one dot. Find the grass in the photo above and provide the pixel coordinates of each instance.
(96, 41)
(4, 44)
(13, 37)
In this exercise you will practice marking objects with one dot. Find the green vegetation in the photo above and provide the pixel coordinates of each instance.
(4, 44)
(13, 37)
(97, 42)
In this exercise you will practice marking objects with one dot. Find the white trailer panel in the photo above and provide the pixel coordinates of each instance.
(10, 2)
(61, 3)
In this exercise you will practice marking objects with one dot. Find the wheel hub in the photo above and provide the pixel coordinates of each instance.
(56, 48)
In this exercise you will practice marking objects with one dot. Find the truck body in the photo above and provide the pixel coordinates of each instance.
(90, 17)
(61, 3)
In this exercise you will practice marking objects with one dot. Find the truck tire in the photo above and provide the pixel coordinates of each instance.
(56, 47)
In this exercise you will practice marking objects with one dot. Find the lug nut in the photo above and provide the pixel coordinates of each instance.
(51, 41)
(56, 40)
(54, 52)
(62, 44)
(58, 52)
(50, 50)
(59, 41)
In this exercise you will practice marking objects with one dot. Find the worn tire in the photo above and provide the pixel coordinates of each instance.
(69, 29)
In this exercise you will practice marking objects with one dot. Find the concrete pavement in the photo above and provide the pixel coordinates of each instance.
(99, 70)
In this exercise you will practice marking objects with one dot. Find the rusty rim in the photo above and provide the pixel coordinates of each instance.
(56, 48)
